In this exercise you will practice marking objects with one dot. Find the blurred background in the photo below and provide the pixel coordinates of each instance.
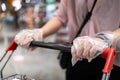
(40, 64)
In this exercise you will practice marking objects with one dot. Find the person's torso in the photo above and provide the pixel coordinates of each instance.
(105, 16)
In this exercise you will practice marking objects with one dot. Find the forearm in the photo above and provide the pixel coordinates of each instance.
(117, 33)
(116, 43)
(51, 26)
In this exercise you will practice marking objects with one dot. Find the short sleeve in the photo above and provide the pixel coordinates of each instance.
(61, 12)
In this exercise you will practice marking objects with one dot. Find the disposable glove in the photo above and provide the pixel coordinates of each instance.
(24, 37)
(87, 47)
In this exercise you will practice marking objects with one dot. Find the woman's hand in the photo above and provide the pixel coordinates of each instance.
(87, 47)
(24, 37)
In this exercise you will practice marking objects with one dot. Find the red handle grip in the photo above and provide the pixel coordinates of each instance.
(12, 46)
(109, 55)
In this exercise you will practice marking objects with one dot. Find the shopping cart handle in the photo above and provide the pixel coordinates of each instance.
(52, 45)
(108, 53)
(12, 46)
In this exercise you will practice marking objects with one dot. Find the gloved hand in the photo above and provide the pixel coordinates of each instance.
(88, 47)
(24, 37)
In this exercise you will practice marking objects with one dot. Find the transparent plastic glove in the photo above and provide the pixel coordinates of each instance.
(24, 37)
(87, 47)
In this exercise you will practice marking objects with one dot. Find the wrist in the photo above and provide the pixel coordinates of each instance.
(38, 35)
(108, 37)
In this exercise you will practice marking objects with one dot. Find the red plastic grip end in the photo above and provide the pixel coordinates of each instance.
(12, 46)
(109, 55)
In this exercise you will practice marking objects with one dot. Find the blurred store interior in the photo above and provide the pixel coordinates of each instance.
(40, 64)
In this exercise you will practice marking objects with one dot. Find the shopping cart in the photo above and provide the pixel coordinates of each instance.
(12, 47)
(108, 54)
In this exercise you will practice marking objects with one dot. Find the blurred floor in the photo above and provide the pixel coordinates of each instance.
(40, 64)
